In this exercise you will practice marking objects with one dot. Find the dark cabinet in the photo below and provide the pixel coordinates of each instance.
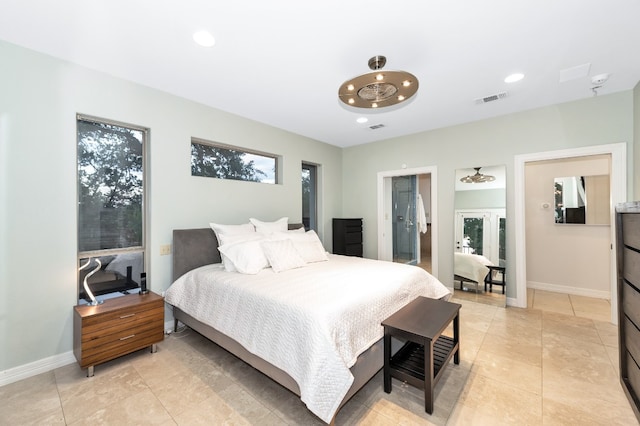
(347, 237)
(628, 245)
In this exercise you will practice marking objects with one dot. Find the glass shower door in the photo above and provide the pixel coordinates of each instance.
(405, 245)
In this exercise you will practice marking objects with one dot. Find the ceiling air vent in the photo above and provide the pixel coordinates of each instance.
(491, 98)
(376, 126)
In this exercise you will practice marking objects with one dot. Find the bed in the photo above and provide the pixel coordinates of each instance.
(279, 322)
(472, 268)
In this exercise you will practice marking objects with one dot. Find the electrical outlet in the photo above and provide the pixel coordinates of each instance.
(165, 249)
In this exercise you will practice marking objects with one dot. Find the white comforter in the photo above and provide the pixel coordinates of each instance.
(311, 322)
(471, 266)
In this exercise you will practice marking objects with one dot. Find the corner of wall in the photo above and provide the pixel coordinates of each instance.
(635, 156)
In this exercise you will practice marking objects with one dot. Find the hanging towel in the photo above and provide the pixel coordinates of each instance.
(422, 216)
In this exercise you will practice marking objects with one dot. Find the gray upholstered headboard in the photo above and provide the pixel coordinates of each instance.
(193, 248)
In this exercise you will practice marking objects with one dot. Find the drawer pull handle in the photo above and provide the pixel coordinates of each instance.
(127, 316)
(128, 337)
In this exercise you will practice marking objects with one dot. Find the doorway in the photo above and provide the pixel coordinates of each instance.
(401, 234)
(618, 191)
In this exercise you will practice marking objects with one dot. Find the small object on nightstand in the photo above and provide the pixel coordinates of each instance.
(143, 283)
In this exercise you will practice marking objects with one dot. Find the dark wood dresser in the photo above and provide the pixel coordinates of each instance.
(347, 237)
(628, 245)
(117, 327)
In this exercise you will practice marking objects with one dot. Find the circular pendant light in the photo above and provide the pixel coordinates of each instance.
(378, 89)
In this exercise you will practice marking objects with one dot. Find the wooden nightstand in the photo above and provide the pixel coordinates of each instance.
(117, 327)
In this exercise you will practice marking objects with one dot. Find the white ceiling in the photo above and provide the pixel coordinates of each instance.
(281, 62)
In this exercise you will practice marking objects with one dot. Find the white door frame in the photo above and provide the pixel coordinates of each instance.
(618, 183)
(384, 239)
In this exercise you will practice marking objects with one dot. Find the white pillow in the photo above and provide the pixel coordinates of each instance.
(241, 238)
(308, 244)
(219, 229)
(282, 255)
(311, 251)
(268, 227)
(227, 240)
(246, 257)
(296, 231)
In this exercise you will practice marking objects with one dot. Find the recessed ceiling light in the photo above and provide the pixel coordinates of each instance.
(362, 120)
(514, 77)
(204, 38)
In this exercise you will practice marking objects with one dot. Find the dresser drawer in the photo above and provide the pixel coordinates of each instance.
(632, 339)
(631, 270)
(630, 303)
(353, 238)
(354, 250)
(355, 224)
(633, 376)
(631, 227)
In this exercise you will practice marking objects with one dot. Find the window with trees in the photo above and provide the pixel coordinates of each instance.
(309, 196)
(220, 161)
(111, 199)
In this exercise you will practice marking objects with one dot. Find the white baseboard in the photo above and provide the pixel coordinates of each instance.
(37, 367)
(578, 291)
(512, 301)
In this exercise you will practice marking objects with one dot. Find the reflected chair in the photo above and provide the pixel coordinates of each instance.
(496, 276)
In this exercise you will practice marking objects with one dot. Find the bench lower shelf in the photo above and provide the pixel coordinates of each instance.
(408, 363)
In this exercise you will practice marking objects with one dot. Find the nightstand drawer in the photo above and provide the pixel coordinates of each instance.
(122, 342)
(123, 318)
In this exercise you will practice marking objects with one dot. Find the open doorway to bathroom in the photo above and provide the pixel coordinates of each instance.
(406, 219)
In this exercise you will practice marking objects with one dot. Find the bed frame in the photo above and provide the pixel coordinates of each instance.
(193, 248)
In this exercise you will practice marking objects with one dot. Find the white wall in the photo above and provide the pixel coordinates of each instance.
(593, 121)
(635, 153)
(39, 99)
(569, 258)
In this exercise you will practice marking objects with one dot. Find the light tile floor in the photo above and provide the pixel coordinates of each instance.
(549, 364)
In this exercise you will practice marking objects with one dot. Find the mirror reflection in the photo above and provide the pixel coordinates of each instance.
(582, 200)
(480, 235)
(107, 275)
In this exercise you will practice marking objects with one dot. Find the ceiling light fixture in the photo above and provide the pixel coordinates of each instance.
(477, 177)
(362, 120)
(204, 38)
(514, 77)
(378, 89)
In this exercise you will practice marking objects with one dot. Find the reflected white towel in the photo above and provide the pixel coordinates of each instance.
(422, 216)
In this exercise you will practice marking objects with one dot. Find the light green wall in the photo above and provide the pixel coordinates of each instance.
(593, 121)
(39, 99)
(480, 199)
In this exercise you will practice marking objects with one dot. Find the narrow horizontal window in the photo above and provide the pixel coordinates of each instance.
(224, 162)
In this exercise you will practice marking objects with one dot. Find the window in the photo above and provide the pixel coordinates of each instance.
(225, 162)
(111, 197)
(309, 196)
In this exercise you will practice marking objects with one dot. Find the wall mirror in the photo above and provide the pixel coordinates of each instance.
(582, 200)
(480, 235)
